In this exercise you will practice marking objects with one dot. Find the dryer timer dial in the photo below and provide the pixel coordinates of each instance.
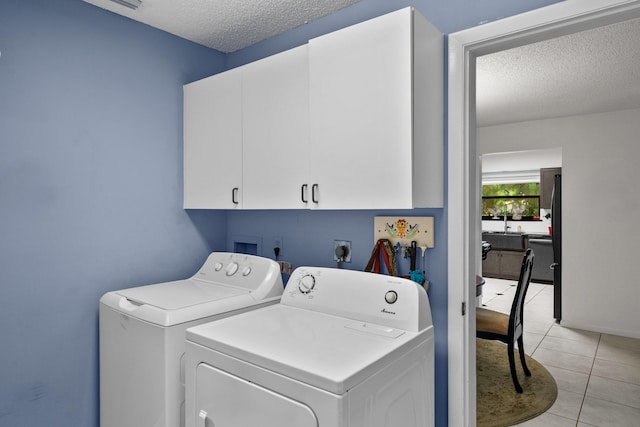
(306, 283)
(391, 296)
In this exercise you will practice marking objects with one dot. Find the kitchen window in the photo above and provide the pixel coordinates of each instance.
(522, 201)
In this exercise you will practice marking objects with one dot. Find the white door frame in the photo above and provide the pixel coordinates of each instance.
(464, 233)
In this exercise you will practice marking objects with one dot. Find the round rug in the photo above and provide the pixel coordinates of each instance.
(498, 403)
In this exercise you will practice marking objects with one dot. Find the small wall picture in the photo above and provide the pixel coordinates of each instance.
(404, 230)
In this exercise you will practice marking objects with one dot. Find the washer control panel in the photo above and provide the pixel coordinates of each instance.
(240, 270)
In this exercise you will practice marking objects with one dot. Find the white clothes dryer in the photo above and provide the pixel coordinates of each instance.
(342, 349)
(142, 335)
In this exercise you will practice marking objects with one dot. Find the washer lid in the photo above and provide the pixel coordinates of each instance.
(329, 352)
(182, 301)
(226, 282)
(179, 294)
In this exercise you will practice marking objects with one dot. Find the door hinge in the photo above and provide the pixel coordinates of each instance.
(464, 308)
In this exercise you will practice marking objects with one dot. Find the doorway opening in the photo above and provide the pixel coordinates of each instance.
(464, 168)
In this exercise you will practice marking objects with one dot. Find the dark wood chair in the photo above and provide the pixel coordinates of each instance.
(493, 325)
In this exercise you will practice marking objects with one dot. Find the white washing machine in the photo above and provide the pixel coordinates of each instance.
(142, 335)
(341, 349)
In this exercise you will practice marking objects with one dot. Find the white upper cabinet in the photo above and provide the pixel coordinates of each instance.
(353, 120)
(275, 111)
(213, 142)
(376, 115)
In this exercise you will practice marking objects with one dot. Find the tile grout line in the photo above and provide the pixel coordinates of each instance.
(548, 329)
(589, 378)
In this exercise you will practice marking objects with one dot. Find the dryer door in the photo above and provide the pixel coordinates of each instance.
(224, 400)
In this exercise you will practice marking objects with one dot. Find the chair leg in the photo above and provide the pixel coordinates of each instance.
(522, 359)
(512, 366)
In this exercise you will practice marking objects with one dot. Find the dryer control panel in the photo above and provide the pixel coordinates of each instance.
(368, 297)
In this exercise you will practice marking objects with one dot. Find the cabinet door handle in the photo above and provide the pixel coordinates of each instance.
(201, 421)
(303, 193)
(234, 195)
(313, 193)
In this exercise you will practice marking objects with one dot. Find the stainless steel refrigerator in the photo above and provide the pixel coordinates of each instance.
(556, 237)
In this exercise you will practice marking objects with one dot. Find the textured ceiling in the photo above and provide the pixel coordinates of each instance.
(589, 72)
(226, 25)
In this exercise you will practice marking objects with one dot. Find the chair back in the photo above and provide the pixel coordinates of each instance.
(517, 308)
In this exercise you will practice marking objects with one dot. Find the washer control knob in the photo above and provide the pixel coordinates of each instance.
(218, 266)
(232, 268)
(391, 297)
(306, 283)
(246, 271)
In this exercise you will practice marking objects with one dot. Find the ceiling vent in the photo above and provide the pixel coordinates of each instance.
(131, 4)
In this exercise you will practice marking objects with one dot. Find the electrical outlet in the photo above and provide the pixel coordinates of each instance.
(337, 244)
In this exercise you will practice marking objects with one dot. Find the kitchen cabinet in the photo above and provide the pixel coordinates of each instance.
(213, 142)
(546, 185)
(376, 115)
(275, 113)
(503, 264)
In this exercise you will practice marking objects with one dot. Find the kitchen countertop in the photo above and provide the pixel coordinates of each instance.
(531, 235)
(538, 236)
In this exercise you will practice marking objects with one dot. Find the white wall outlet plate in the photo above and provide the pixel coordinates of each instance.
(337, 244)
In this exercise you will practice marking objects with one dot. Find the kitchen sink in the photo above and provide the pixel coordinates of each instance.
(510, 240)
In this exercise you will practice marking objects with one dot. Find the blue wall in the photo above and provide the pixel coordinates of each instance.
(90, 187)
(90, 192)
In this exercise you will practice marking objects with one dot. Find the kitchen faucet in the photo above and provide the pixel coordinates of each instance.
(506, 227)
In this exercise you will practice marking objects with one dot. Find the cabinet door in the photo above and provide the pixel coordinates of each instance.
(491, 265)
(361, 115)
(510, 264)
(502, 264)
(275, 105)
(213, 142)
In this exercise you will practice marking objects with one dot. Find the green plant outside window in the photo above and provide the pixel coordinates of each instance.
(522, 201)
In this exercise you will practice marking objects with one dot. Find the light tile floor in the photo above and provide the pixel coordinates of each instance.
(598, 375)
